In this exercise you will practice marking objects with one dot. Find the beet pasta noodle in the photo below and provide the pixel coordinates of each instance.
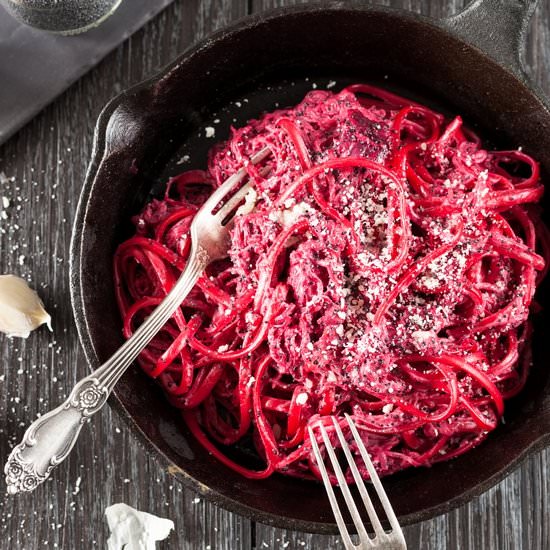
(383, 265)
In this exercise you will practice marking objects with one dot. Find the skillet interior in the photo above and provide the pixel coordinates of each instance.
(143, 133)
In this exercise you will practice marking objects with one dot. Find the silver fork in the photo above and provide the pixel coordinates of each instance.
(387, 540)
(50, 438)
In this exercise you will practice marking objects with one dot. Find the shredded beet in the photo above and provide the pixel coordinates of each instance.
(383, 266)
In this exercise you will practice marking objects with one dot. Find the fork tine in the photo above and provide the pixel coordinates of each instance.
(373, 516)
(221, 191)
(348, 543)
(374, 478)
(226, 209)
(361, 531)
(235, 199)
(232, 180)
(260, 155)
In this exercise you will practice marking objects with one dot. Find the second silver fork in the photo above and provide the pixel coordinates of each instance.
(50, 438)
(382, 540)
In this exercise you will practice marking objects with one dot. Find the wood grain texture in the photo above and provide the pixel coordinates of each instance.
(44, 166)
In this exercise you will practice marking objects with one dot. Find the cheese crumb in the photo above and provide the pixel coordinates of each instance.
(301, 398)
(249, 203)
(183, 159)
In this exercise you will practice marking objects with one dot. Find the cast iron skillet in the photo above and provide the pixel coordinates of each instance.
(468, 64)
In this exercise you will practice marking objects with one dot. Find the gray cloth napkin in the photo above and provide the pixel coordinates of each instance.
(36, 66)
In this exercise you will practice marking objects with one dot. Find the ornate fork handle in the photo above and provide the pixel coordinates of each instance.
(50, 438)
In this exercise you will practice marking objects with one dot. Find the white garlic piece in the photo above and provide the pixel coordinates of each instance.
(21, 310)
(135, 530)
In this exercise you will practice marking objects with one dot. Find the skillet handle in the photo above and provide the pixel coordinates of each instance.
(498, 27)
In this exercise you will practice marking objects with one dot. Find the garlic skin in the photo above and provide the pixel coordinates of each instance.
(135, 530)
(21, 310)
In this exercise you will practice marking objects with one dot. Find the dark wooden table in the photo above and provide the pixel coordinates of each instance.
(43, 168)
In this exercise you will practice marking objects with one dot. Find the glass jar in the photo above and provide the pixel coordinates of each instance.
(61, 16)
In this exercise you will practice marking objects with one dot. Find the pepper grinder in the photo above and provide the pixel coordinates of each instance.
(61, 16)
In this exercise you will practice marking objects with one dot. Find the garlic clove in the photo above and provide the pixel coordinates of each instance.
(21, 310)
